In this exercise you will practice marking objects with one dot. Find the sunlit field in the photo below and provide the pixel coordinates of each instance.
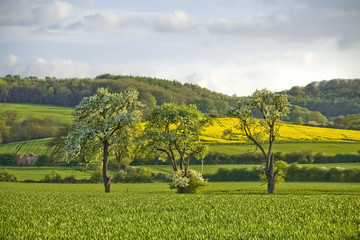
(62, 114)
(153, 211)
(288, 133)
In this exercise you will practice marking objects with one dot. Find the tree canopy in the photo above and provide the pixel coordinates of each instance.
(102, 122)
(272, 107)
(175, 130)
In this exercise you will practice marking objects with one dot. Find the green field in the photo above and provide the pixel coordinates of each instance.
(153, 211)
(211, 169)
(288, 147)
(62, 114)
(34, 173)
(37, 147)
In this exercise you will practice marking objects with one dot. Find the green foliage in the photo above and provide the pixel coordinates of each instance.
(7, 176)
(13, 130)
(331, 98)
(224, 174)
(52, 177)
(176, 129)
(69, 92)
(272, 108)
(299, 114)
(133, 175)
(351, 121)
(43, 160)
(7, 159)
(105, 123)
(96, 175)
(299, 121)
(190, 183)
(301, 173)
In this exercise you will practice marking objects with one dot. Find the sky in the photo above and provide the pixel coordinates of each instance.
(228, 46)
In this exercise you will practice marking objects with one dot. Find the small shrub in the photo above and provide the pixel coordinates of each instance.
(133, 175)
(7, 159)
(96, 175)
(42, 160)
(7, 176)
(52, 177)
(70, 179)
(188, 184)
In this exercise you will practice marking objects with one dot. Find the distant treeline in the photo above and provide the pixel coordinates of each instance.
(215, 158)
(332, 98)
(294, 172)
(334, 103)
(69, 92)
(13, 130)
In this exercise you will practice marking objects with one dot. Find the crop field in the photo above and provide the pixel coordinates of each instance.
(153, 211)
(62, 114)
(37, 147)
(288, 133)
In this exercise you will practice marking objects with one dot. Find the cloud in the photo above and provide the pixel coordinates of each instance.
(58, 67)
(24, 13)
(308, 22)
(58, 10)
(12, 60)
(120, 21)
(177, 22)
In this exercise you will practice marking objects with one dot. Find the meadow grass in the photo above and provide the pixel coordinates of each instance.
(38, 147)
(153, 211)
(62, 114)
(330, 148)
(35, 173)
(211, 169)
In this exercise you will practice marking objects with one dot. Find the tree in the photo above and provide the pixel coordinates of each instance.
(4, 131)
(272, 107)
(101, 121)
(175, 130)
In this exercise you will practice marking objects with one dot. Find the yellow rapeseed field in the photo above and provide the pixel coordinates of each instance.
(288, 132)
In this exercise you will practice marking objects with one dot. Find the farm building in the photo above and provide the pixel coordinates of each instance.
(27, 159)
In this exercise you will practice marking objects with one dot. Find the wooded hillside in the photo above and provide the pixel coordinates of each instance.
(332, 98)
(69, 92)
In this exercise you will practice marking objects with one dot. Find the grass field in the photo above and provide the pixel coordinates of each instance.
(211, 169)
(153, 211)
(37, 147)
(288, 147)
(34, 173)
(62, 114)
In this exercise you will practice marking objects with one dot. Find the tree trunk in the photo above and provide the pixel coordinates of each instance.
(271, 185)
(187, 167)
(271, 176)
(106, 178)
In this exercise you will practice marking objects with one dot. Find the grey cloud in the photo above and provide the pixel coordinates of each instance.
(176, 22)
(313, 20)
(13, 13)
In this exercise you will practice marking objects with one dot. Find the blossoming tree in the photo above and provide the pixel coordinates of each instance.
(101, 122)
